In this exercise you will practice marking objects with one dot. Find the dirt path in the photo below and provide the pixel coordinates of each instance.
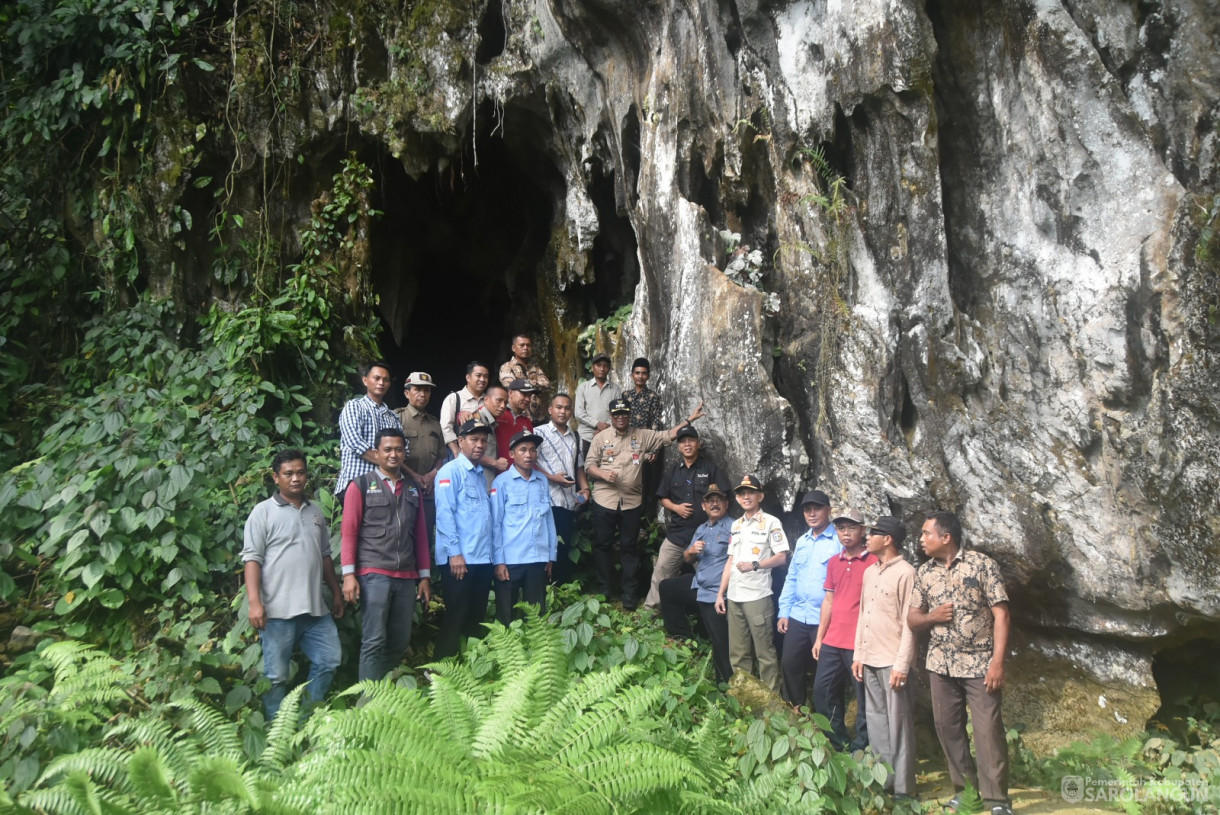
(934, 788)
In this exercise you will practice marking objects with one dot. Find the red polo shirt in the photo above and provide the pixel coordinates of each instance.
(507, 426)
(845, 577)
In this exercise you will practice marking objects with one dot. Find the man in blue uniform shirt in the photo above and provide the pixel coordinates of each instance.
(524, 543)
(800, 603)
(463, 540)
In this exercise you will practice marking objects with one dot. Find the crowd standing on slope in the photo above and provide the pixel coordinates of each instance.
(488, 496)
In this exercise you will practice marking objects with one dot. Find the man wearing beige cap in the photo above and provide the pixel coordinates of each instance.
(835, 646)
(885, 647)
(425, 443)
(615, 471)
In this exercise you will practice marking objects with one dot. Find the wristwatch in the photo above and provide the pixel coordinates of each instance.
(756, 565)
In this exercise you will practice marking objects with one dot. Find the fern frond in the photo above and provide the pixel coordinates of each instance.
(84, 675)
(507, 646)
(505, 721)
(218, 778)
(149, 779)
(601, 724)
(217, 733)
(280, 737)
(103, 764)
(626, 771)
(77, 794)
(590, 689)
(178, 751)
(457, 711)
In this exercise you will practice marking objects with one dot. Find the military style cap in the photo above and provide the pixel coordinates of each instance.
(714, 489)
(475, 425)
(523, 385)
(419, 379)
(620, 405)
(522, 436)
(749, 482)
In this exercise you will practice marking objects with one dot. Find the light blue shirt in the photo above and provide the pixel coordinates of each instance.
(463, 513)
(710, 567)
(805, 588)
(522, 523)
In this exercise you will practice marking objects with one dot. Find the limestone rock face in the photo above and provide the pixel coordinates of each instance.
(983, 274)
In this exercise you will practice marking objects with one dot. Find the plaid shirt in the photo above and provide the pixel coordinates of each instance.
(358, 425)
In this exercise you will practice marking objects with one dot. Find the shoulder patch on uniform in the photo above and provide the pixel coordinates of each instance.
(777, 535)
(444, 482)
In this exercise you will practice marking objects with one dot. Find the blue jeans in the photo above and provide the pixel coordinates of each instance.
(319, 641)
(387, 605)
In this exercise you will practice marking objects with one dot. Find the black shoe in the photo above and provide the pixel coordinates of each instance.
(630, 604)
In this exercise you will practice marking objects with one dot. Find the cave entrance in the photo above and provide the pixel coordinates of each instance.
(460, 253)
(1186, 679)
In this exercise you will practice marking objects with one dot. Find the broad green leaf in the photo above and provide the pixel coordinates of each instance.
(93, 572)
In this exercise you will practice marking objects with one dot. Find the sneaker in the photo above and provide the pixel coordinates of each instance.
(955, 804)
(1001, 810)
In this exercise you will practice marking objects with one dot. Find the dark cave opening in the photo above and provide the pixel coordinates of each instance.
(1186, 679)
(458, 253)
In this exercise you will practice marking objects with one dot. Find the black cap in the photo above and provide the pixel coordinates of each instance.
(817, 498)
(475, 425)
(714, 489)
(620, 405)
(749, 482)
(523, 436)
(641, 362)
(598, 358)
(687, 432)
(523, 385)
(889, 525)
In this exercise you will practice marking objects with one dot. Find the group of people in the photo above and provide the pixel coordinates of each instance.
(488, 495)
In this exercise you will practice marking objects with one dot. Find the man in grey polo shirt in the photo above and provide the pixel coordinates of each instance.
(287, 559)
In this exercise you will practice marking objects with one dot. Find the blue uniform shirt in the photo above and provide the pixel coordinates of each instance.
(801, 599)
(522, 523)
(710, 567)
(463, 513)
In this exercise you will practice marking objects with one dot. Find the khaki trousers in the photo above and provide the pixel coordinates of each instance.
(667, 565)
(751, 631)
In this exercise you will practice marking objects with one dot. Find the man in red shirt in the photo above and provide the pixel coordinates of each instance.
(834, 648)
(517, 418)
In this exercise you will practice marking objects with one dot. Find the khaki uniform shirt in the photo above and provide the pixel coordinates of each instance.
(883, 638)
(623, 455)
(962, 647)
(533, 374)
(425, 442)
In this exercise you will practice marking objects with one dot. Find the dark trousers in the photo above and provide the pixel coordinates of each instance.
(627, 523)
(950, 698)
(679, 599)
(830, 696)
(387, 610)
(565, 528)
(429, 505)
(465, 607)
(526, 582)
(796, 663)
